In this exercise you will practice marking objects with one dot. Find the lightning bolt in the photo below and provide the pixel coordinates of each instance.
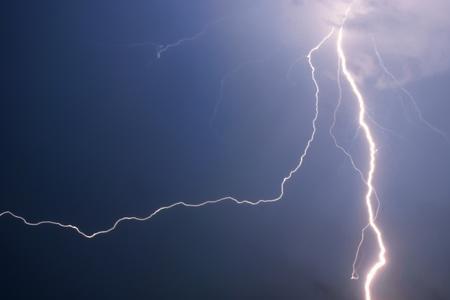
(381, 260)
(359, 172)
(408, 94)
(223, 199)
(347, 154)
(370, 195)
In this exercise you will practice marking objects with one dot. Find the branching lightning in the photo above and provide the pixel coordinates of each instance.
(223, 199)
(408, 94)
(383, 128)
(371, 198)
(381, 260)
(333, 125)
(355, 274)
(161, 49)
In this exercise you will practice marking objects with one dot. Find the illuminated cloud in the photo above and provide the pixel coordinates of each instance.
(412, 36)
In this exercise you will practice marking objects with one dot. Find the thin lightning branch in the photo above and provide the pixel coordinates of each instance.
(161, 49)
(291, 68)
(407, 93)
(333, 125)
(381, 261)
(383, 128)
(227, 198)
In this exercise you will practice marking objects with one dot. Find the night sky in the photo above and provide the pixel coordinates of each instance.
(95, 127)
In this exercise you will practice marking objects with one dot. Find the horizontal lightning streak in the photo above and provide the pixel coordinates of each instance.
(227, 198)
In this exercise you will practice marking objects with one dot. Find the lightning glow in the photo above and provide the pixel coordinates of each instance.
(223, 199)
(381, 260)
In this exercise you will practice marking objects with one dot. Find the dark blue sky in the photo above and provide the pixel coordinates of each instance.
(94, 128)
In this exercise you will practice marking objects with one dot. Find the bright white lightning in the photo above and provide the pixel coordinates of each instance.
(354, 275)
(381, 260)
(227, 198)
